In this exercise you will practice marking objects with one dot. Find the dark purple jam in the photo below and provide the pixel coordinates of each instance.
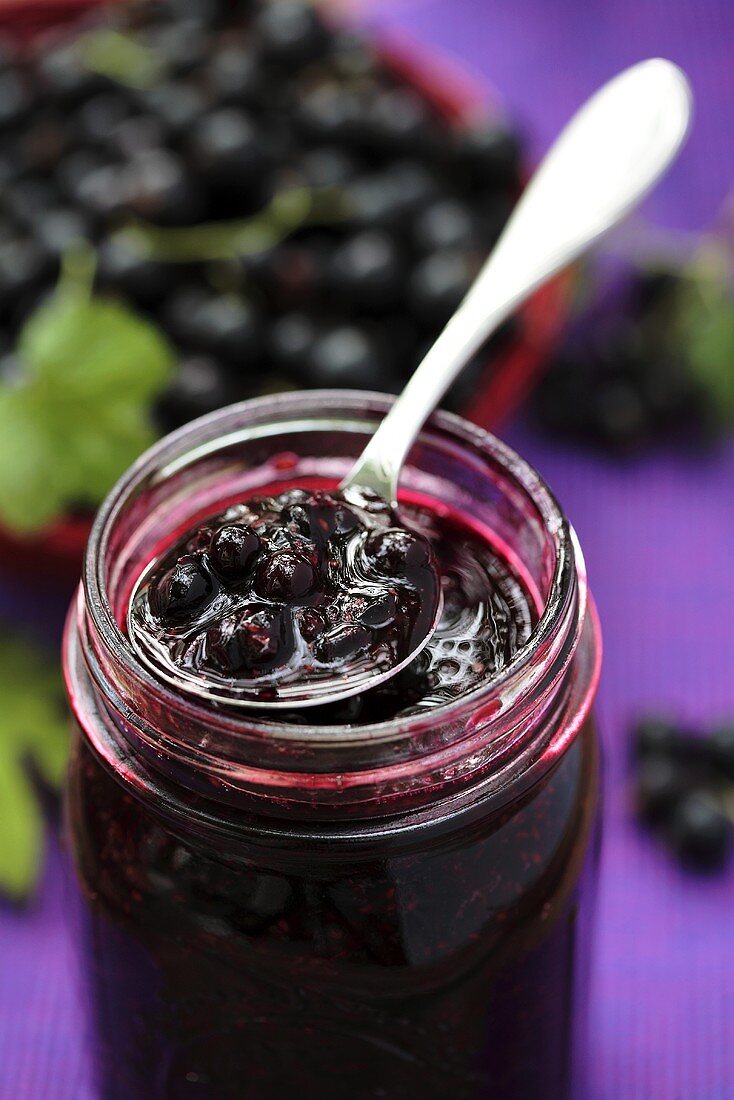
(295, 589)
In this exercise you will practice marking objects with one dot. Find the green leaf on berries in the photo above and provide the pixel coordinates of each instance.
(34, 735)
(80, 414)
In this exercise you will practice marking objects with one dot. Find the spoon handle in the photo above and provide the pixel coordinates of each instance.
(604, 162)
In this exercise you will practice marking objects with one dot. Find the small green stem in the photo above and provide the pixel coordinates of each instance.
(289, 210)
(78, 267)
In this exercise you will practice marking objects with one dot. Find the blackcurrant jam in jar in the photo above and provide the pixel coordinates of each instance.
(388, 899)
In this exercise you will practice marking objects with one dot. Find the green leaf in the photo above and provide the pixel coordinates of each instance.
(35, 708)
(112, 437)
(32, 482)
(21, 829)
(93, 369)
(51, 755)
(95, 350)
(34, 730)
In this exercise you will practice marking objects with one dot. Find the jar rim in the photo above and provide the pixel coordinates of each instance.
(566, 599)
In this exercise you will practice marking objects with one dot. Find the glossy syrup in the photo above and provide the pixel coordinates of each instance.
(349, 610)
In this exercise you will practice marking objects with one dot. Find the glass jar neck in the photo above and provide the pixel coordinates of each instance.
(502, 733)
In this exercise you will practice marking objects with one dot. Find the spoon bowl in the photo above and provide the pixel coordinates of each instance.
(355, 675)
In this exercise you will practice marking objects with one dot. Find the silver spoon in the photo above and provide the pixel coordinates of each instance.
(609, 156)
(605, 161)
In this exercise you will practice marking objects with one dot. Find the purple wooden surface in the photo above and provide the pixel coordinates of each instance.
(659, 541)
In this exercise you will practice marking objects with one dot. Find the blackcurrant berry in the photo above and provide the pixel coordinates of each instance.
(15, 99)
(720, 750)
(290, 340)
(234, 77)
(176, 106)
(296, 273)
(446, 223)
(179, 310)
(488, 153)
(101, 192)
(183, 591)
(290, 32)
(64, 76)
(346, 356)
(229, 149)
(226, 326)
(135, 136)
(439, 283)
(122, 266)
(24, 268)
(328, 166)
(656, 735)
(234, 550)
(366, 271)
(43, 143)
(254, 640)
(101, 115)
(619, 415)
(285, 576)
(158, 188)
(331, 114)
(396, 552)
(200, 386)
(310, 623)
(700, 832)
(352, 56)
(26, 203)
(400, 121)
(183, 44)
(660, 782)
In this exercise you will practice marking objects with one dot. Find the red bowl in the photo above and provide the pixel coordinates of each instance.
(55, 554)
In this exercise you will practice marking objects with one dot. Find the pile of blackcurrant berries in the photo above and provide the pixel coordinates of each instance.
(618, 384)
(251, 98)
(683, 789)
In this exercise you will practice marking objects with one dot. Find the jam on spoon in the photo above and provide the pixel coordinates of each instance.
(287, 594)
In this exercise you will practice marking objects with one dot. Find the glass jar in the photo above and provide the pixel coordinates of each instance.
(272, 910)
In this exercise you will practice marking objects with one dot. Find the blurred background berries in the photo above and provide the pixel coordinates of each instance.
(252, 181)
(684, 789)
(649, 358)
